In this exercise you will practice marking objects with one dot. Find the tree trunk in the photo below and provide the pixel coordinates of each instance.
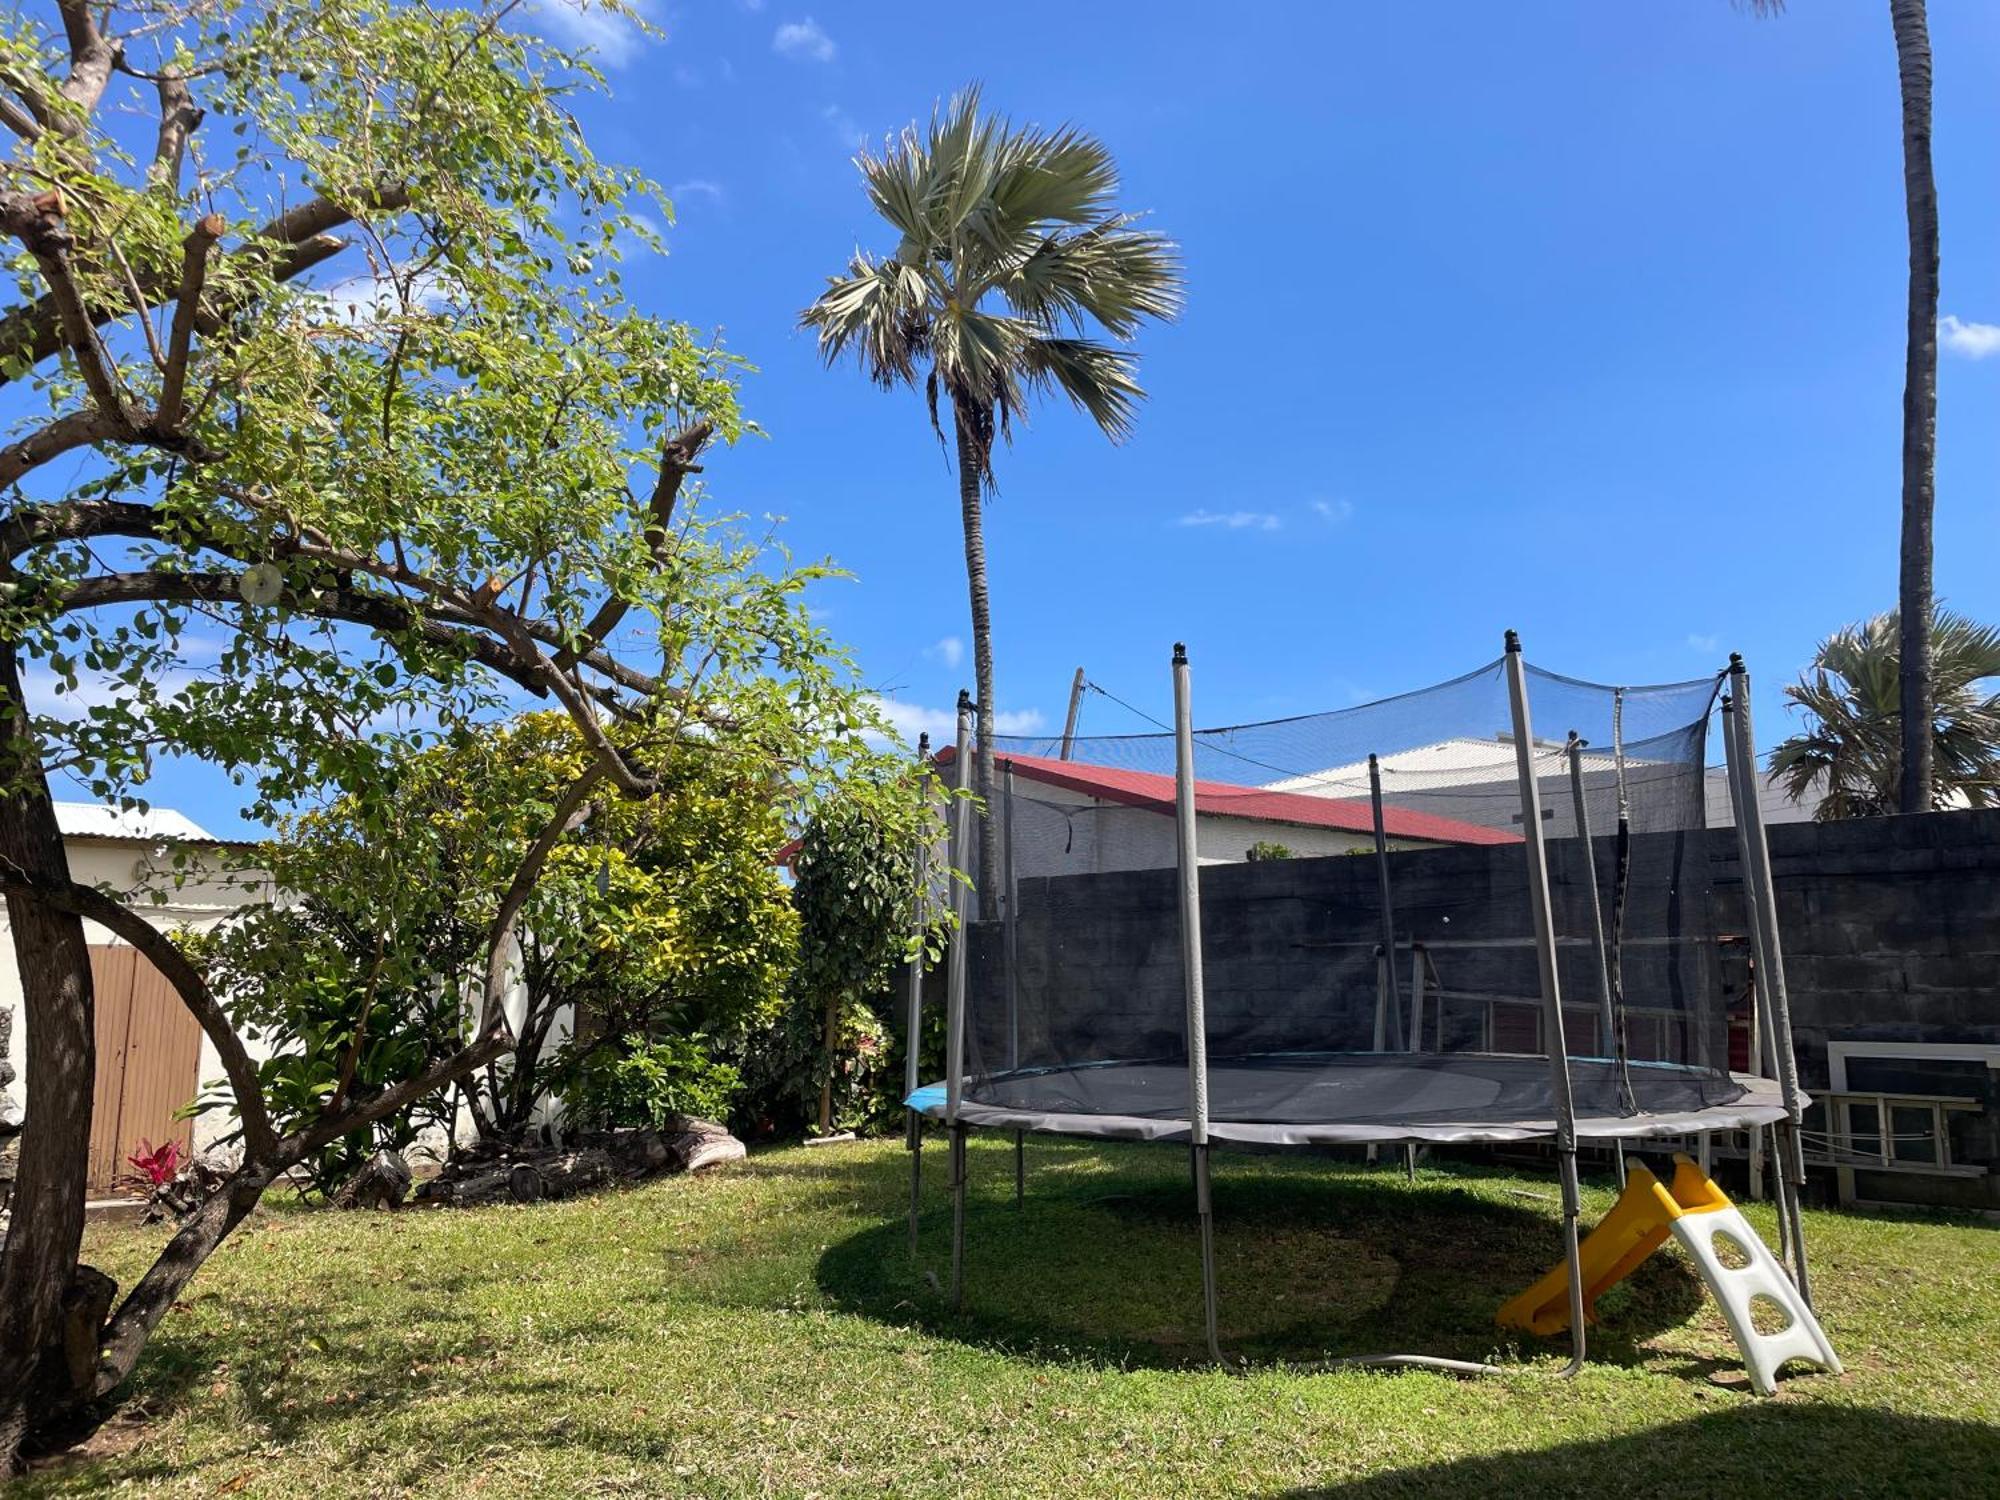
(46, 1232)
(1913, 62)
(830, 1036)
(126, 1334)
(971, 468)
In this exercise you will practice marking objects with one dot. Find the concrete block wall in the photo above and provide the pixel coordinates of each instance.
(1891, 929)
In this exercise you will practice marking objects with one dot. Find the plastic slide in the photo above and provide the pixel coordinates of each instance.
(1638, 1224)
(1733, 1260)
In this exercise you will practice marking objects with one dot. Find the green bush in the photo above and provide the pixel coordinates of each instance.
(644, 1082)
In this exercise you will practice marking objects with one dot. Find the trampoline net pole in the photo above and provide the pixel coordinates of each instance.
(1012, 949)
(1543, 917)
(1762, 1058)
(1392, 1002)
(1188, 857)
(1187, 853)
(961, 851)
(913, 1040)
(955, 998)
(1607, 1024)
(1772, 983)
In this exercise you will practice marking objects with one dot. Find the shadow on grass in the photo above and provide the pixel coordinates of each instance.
(1102, 1262)
(1743, 1450)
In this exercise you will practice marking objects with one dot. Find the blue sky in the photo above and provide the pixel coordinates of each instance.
(1584, 319)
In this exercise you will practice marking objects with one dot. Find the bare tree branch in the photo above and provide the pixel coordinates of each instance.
(17, 118)
(187, 305)
(296, 241)
(37, 220)
(31, 526)
(571, 809)
(92, 56)
(80, 429)
(677, 461)
(379, 612)
(179, 118)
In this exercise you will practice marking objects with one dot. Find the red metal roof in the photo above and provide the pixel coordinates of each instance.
(1223, 799)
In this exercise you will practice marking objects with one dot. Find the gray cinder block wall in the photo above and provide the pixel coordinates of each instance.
(1891, 929)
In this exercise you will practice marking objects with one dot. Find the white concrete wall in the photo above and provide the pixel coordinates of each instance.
(205, 898)
(136, 867)
(1058, 831)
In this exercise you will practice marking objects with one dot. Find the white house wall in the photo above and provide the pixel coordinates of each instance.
(1058, 831)
(200, 903)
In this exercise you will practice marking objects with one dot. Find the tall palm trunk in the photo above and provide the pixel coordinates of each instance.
(971, 470)
(1913, 62)
(45, 1234)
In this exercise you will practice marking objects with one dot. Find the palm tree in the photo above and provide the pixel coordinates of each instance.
(1853, 745)
(1922, 679)
(1010, 254)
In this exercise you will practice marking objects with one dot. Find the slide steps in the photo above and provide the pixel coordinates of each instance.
(1732, 1258)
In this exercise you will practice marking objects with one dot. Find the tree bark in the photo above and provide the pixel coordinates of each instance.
(971, 472)
(125, 1336)
(1913, 63)
(45, 1234)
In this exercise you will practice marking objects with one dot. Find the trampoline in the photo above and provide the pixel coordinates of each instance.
(1411, 923)
(1350, 1099)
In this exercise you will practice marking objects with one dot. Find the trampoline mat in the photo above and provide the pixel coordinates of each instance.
(1299, 1099)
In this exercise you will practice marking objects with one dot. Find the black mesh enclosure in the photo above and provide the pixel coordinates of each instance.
(1351, 995)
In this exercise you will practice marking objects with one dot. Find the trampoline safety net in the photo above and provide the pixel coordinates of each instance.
(1351, 994)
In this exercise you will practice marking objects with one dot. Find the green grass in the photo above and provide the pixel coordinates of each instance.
(765, 1331)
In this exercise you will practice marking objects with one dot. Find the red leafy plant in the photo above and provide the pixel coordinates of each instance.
(159, 1165)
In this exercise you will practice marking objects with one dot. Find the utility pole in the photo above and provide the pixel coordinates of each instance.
(1075, 708)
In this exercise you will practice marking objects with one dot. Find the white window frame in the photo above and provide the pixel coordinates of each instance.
(1838, 1053)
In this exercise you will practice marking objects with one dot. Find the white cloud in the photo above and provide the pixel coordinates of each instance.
(803, 41)
(696, 187)
(366, 298)
(1705, 643)
(1973, 340)
(846, 129)
(1333, 511)
(686, 76)
(908, 720)
(950, 651)
(581, 24)
(1232, 520)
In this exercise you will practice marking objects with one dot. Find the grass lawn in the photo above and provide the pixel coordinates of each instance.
(764, 1331)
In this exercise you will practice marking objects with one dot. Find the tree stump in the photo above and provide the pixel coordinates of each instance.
(524, 1184)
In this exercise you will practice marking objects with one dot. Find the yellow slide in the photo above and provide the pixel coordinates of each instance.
(1637, 1225)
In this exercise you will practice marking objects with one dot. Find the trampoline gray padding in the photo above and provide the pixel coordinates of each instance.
(1347, 1098)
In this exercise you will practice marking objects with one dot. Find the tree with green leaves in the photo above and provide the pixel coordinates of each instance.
(333, 361)
(1011, 253)
(1850, 753)
(662, 919)
(859, 912)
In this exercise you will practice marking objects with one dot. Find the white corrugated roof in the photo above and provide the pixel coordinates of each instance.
(1446, 764)
(97, 821)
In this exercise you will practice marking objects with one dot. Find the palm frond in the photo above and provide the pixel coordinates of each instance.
(986, 214)
(877, 312)
(1111, 273)
(1851, 749)
(1101, 380)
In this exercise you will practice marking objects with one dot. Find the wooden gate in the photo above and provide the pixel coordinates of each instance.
(148, 1063)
